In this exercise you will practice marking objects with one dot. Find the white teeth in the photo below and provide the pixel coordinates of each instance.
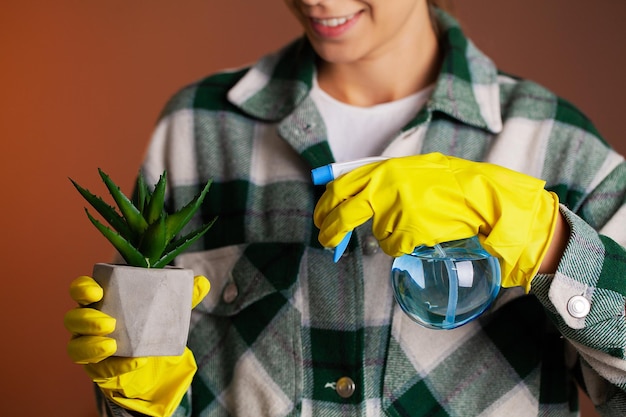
(334, 21)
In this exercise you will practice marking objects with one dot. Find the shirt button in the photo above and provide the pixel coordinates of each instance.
(578, 306)
(230, 293)
(345, 387)
(370, 245)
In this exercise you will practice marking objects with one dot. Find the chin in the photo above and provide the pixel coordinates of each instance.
(335, 54)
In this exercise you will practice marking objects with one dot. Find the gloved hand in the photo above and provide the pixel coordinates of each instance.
(433, 198)
(150, 385)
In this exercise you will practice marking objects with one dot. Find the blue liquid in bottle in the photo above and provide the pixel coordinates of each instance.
(448, 285)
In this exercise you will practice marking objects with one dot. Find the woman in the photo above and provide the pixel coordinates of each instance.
(285, 330)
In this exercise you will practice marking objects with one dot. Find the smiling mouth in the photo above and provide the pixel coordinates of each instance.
(335, 21)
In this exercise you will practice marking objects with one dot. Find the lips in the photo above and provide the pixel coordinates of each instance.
(333, 26)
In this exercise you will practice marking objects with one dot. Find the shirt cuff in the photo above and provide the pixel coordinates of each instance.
(582, 309)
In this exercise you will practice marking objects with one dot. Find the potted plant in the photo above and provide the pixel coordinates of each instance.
(150, 300)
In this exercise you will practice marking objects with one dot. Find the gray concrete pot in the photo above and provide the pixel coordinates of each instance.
(152, 308)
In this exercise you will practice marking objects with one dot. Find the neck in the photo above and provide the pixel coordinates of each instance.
(408, 66)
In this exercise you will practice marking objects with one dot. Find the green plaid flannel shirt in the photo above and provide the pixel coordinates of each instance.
(283, 323)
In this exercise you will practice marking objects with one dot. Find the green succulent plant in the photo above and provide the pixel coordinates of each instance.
(143, 232)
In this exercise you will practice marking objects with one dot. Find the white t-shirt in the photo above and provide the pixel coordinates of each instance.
(359, 132)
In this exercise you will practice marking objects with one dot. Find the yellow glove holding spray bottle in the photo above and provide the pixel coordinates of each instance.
(153, 386)
(427, 200)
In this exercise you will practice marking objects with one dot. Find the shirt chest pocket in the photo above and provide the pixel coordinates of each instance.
(245, 334)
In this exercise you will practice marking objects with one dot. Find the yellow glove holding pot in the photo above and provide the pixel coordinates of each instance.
(150, 385)
(433, 198)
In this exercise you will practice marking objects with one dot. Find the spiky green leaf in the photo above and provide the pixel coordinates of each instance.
(106, 211)
(141, 193)
(175, 248)
(153, 241)
(176, 221)
(155, 206)
(132, 256)
(133, 217)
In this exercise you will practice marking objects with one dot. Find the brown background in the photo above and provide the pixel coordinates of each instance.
(82, 82)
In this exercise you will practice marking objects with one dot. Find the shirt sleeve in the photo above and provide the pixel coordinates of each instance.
(586, 299)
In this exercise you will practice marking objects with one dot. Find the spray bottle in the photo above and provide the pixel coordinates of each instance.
(440, 287)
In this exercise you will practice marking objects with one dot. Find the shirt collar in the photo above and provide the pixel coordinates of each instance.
(466, 89)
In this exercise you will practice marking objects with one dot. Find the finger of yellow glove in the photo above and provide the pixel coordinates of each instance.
(113, 367)
(91, 349)
(346, 204)
(201, 287)
(88, 321)
(343, 218)
(341, 189)
(85, 290)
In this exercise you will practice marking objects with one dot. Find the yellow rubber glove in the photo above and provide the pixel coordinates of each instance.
(433, 198)
(151, 385)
